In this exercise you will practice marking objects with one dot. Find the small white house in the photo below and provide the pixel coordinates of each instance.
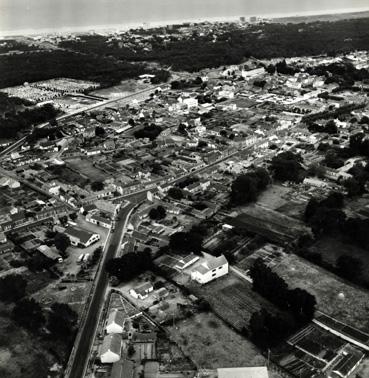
(211, 269)
(115, 322)
(78, 236)
(142, 291)
(110, 350)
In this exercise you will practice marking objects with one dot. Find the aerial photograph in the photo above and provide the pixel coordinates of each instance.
(184, 189)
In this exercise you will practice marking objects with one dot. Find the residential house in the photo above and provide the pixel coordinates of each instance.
(243, 372)
(110, 350)
(122, 369)
(115, 322)
(142, 291)
(99, 219)
(80, 237)
(211, 269)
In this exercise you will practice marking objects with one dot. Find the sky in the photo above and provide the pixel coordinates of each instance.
(56, 14)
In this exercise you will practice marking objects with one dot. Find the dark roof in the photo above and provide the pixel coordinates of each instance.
(122, 369)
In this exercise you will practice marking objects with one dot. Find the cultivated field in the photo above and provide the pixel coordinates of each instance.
(353, 309)
(211, 344)
(232, 298)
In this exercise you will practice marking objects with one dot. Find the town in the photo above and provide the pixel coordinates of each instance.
(211, 223)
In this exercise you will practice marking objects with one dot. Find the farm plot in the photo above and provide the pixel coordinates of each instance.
(208, 342)
(334, 296)
(235, 301)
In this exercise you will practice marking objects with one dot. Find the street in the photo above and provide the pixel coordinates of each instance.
(81, 351)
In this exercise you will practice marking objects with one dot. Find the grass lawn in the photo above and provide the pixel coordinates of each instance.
(353, 309)
(211, 344)
(87, 169)
(21, 353)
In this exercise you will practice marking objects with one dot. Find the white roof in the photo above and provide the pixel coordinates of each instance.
(243, 372)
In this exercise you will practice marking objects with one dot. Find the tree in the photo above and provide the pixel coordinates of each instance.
(286, 166)
(62, 321)
(28, 313)
(317, 170)
(73, 216)
(349, 267)
(62, 242)
(96, 186)
(186, 242)
(353, 187)
(157, 213)
(175, 193)
(12, 288)
(96, 255)
(129, 265)
(99, 131)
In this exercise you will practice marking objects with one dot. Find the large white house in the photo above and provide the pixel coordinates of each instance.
(210, 269)
(115, 322)
(79, 237)
(111, 349)
(243, 372)
(142, 291)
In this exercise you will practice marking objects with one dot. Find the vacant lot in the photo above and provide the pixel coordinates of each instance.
(353, 309)
(86, 168)
(21, 354)
(211, 344)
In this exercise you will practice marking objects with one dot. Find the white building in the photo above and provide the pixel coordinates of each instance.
(211, 269)
(115, 322)
(142, 291)
(78, 236)
(243, 372)
(111, 349)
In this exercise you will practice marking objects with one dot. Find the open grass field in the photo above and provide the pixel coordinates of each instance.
(211, 344)
(21, 354)
(87, 169)
(353, 309)
(234, 301)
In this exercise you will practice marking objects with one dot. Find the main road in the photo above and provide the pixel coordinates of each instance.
(81, 351)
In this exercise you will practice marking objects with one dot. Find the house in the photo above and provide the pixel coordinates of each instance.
(115, 322)
(122, 369)
(79, 237)
(142, 291)
(99, 219)
(243, 372)
(3, 238)
(110, 350)
(49, 253)
(89, 208)
(187, 261)
(210, 269)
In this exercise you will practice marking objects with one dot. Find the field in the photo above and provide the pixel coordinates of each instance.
(88, 170)
(332, 248)
(235, 301)
(211, 344)
(21, 352)
(352, 309)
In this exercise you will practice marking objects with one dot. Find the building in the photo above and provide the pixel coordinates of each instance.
(348, 360)
(142, 291)
(243, 372)
(99, 219)
(187, 261)
(115, 322)
(211, 269)
(122, 369)
(79, 237)
(49, 253)
(110, 350)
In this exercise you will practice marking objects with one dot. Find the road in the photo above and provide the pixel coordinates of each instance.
(81, 351)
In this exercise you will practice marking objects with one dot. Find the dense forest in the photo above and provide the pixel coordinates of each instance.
(108, 62)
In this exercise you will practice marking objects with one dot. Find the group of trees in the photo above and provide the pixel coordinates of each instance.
(190, 241)
(15, 122)
(149, 131)
(330, 127)
(130, 265)
(157, 213)
(246, 187)
(175, 193)
(286, 166)
(12, 288)
(298, 302)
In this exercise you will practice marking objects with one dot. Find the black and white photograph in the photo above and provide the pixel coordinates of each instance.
(184, 189)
